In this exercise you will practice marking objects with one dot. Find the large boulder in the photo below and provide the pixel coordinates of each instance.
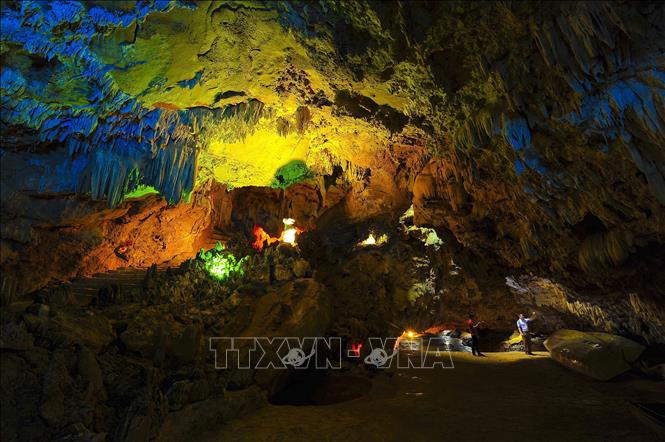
(601, 356)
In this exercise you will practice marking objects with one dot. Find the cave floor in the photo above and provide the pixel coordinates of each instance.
(505, 396)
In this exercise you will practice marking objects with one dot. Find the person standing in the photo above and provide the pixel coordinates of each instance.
(472, 327)
(523, 328)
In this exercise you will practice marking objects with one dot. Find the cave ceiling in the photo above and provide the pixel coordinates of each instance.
(544, 120)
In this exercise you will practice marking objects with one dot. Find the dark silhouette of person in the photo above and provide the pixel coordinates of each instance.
(472, 327)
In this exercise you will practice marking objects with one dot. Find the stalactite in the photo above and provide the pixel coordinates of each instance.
(119, 134)
(616, 93)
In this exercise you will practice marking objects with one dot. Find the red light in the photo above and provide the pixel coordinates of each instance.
(355, 348)
(261, 236)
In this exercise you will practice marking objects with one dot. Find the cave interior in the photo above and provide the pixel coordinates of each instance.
(221, 220)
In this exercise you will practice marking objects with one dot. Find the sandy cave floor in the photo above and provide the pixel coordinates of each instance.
(503, 397)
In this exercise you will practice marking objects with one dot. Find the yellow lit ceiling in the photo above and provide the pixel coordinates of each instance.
(224, 53)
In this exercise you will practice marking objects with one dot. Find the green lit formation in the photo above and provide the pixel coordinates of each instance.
(141, 190)
(291, 173)
(221, 264)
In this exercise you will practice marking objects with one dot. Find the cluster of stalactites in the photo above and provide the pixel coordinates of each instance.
(620, 91)
(122, 143)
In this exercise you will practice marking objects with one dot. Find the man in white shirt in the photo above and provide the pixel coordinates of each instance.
(523, 328)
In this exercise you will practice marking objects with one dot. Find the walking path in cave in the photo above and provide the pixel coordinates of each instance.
(503, 397)
(129, 278)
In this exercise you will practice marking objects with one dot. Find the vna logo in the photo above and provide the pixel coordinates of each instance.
(258, 353)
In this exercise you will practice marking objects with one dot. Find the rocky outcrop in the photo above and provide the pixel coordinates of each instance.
(632, 315)
(483, 214)
(141, 366)
(66, 236)
(407, 279)
(599, 355)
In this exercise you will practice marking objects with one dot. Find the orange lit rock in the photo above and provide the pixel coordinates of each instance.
(79, 237)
